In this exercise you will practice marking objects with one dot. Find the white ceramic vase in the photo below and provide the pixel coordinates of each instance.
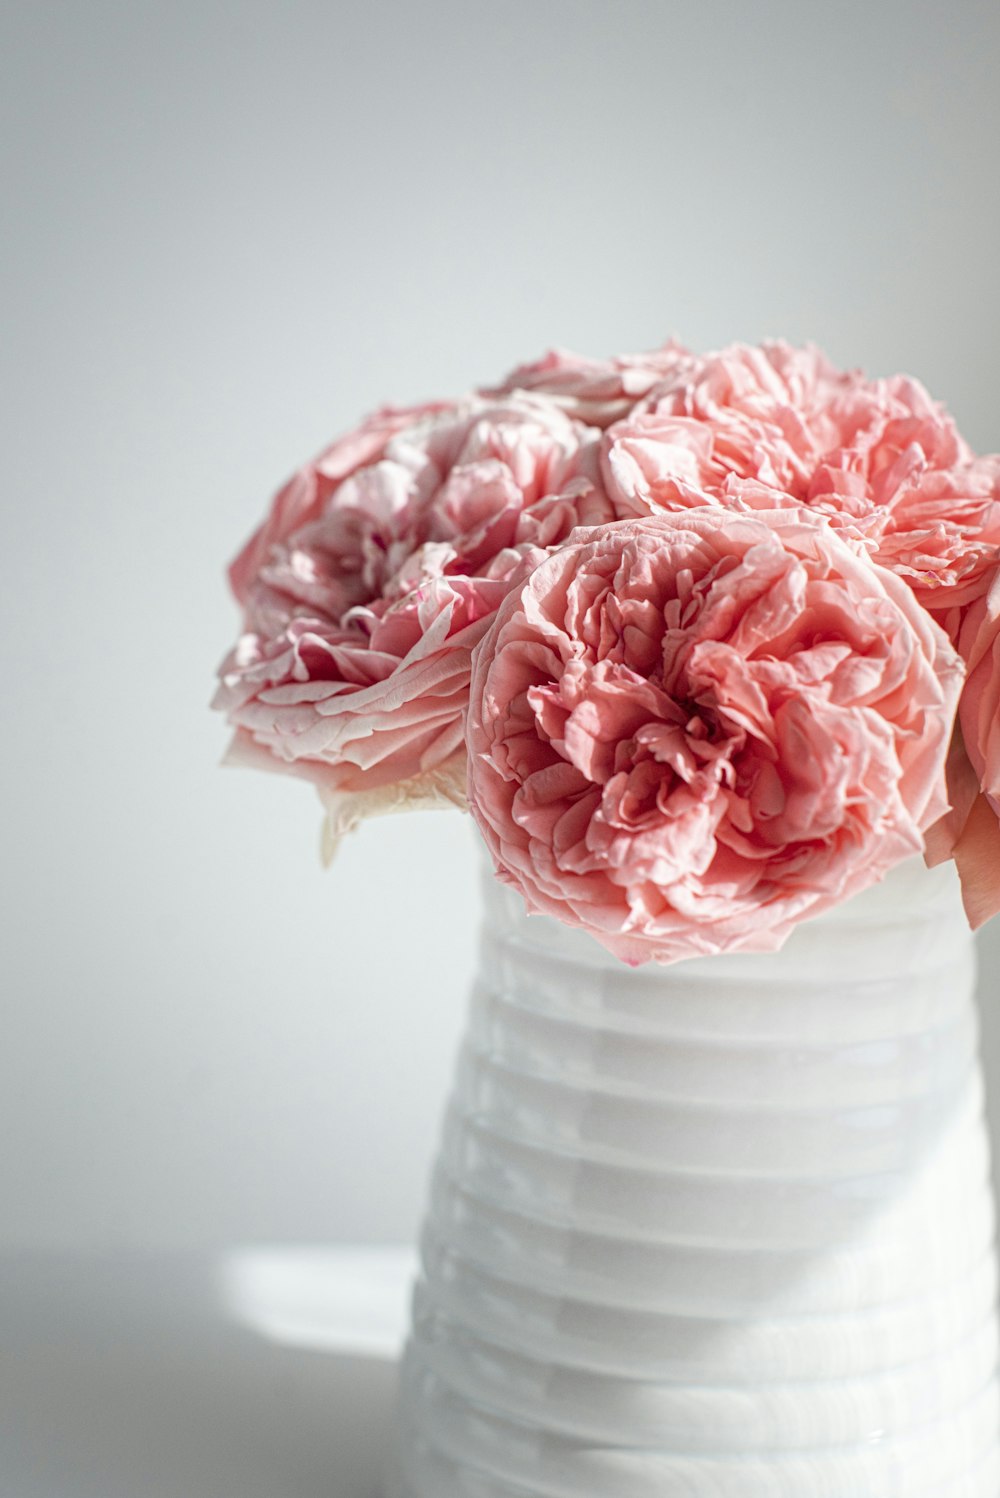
(722, 1228)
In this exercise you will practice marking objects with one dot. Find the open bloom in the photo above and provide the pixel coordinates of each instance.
(687, 732)
(374, 576)
(776, 426)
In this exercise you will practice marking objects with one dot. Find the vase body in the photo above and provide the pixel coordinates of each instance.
(721, 1228)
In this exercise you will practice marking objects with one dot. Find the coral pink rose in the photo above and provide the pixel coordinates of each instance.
(777, 426)
(970, 833)
(688, 732)
(376, 573)
(597, 391)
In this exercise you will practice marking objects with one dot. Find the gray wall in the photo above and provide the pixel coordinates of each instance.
(232, 229)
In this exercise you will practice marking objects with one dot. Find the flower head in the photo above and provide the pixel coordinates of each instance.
(374, 576)
(780, 427)
(687, 732)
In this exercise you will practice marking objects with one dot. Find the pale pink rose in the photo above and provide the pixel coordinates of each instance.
(688, 732)
(777, 426)
(596, 391)
(302, 498)
(376, 573)
(970, 833)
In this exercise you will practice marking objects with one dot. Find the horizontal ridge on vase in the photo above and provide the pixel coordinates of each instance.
(720, 1228)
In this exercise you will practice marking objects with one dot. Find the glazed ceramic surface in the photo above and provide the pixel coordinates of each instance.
(722, 1228)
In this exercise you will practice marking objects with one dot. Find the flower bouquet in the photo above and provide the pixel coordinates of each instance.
(710, 648)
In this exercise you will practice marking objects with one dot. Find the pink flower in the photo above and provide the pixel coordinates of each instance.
(374, 576)
(301, 500)
(970, 833)
(776, 426)
(688, 732)
(596, 391)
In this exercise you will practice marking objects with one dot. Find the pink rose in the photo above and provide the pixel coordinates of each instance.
(301, 500)
(372, 579)
(596, 391)
(688, 732)
(775, 426)
(970, 833)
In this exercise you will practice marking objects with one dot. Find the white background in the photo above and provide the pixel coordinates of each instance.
(231, 229)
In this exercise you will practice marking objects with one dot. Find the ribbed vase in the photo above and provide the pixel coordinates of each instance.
(722, 1228)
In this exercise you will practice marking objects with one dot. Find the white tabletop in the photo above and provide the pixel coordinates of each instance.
(258, 1374)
